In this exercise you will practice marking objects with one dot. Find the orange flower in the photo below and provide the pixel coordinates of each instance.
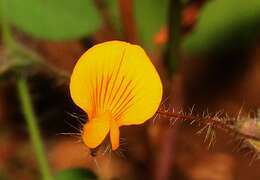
(116, 84)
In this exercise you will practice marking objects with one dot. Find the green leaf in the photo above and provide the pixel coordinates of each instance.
(150, 16)
(224, 24)
(75, 174)
(54, 19)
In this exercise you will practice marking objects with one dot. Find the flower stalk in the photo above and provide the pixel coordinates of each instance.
(34, 131)
(24, 97)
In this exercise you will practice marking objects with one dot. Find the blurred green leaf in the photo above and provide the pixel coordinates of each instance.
(75, 174)
(54, 19)
(150, 16)
(224, 24)
(2, 177)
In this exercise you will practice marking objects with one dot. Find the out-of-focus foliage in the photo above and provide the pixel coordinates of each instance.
(1, 177)
(54, 19)
(75, 173)
(150, 16)
(224, 24)
(114, 14)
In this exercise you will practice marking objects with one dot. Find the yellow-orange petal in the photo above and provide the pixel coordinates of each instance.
(95, 131)
(114, 135)
(147, 91)
(119, 78)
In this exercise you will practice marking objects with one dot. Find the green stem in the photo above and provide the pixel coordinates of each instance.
(173, 46)
(7, 38)
(33, 128)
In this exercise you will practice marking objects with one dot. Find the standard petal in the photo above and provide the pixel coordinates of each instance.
(117, 77)
(144, 91)
(95, 76)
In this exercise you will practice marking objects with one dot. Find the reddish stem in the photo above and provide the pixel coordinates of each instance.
(128, 20)
(207, 120)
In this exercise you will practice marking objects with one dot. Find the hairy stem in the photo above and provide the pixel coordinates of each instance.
(207, 120)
